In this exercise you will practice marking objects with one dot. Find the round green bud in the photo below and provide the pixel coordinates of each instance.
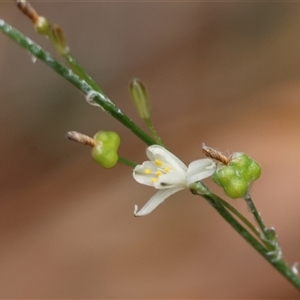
(248, 168)
(237, 187)
(253, 172)
(106, 157)
(224, 175)
(105, 152)
(236, 177)
(109, 139)
(240, 162)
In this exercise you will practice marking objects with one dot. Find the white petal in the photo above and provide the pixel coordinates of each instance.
(139, 173)
(154, 201)
(161, 153)
(170, 180)
(200, 169)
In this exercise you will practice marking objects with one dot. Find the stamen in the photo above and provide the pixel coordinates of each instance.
(153, 180)
(147, 171)
(167, 169)
(158, 162)
(158, 173)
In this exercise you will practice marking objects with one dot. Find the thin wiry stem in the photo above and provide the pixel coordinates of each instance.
(69, 75)
(280, 265)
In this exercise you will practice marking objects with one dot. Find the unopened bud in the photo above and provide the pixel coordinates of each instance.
(105, 146)
(105, 152)
(40, 23)
(59, 40)
(238, 175)
(140, 97)
(42, 26)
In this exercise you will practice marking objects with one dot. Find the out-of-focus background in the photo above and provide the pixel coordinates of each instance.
(227, 74)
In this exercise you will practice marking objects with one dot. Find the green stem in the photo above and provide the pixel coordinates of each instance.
(78, 70)
(153, 132)
(201, 190)
(237, 213)
(242, 218)
(268, 235)
(127, 162)
(82, 85)
(255, 213)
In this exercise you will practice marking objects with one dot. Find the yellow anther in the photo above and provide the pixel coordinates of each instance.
(153, 180)
(158, 173)
(167, 169)
(158, 162)
(147, 171)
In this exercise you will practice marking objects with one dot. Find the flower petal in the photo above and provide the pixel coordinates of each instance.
(155, 200)
(170, 180)
(161, 153)
(200, 169)
(143, 177)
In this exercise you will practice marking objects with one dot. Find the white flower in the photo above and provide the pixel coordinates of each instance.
(168, 174)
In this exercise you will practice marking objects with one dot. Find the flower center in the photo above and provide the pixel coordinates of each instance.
(161, 169)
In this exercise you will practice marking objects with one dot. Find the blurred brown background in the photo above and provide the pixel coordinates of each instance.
(226, 74)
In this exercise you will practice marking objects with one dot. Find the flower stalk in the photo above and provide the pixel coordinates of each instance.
(56, 35)
(267, 235)
(200, 189)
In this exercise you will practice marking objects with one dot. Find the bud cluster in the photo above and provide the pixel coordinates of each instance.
(237, 176)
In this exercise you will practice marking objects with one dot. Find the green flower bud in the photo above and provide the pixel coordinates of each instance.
(109, 138)
(140, 97)
(105, 152)
(224, 175)
(240, 161)
(106, 157)
(42, 26)
(246, 166)
(59, 40)
(237, 176)
(252, 172)
(236, 188)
